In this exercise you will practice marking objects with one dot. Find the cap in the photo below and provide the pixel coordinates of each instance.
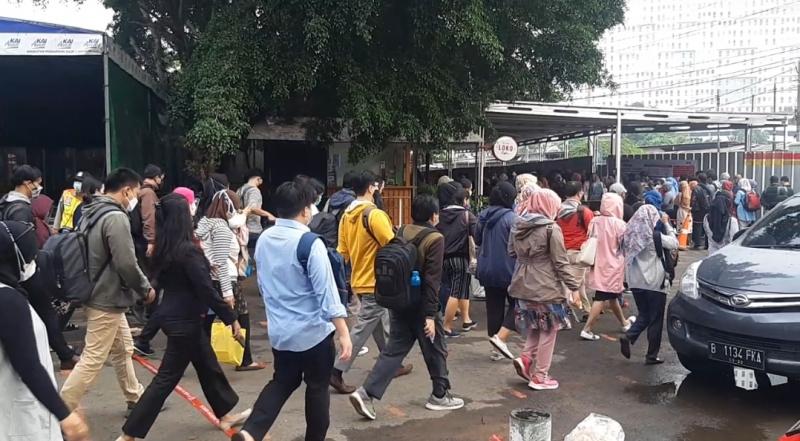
(445, 180)
(618, 189)
(186, 193)
(152, 171)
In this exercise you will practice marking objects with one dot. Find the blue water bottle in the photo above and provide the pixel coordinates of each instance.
(416, 281)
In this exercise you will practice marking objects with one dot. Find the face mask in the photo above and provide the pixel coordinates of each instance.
(36, 192)
(237, 221)
(132, 204)
(77, 185)
(28, 270)
(193, 209)
(319, 199)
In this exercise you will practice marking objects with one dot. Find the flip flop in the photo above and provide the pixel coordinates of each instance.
(252, 367)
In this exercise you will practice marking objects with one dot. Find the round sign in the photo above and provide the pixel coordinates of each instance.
(505, 148)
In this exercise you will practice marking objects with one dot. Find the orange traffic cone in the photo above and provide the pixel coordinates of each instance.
(683, 235)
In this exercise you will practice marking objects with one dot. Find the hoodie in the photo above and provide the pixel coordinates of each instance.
(542, 262)
(359, 246)
(15, 206)
(121, 283)
(495, 265)
(608, 272)
(339, 202)
(456, 224)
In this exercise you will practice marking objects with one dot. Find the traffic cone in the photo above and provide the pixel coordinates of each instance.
(686, 230)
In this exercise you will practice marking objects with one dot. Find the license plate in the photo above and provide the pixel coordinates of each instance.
(736, 355)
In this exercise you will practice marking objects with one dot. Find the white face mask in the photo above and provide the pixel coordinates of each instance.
(193, 208)
(132, 204)
(237, 221)
(28, 270)
(36, 191)
(77, 185)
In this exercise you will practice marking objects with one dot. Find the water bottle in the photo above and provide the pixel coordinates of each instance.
(416, 281)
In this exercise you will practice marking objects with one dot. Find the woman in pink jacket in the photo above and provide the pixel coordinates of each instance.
(608, 273)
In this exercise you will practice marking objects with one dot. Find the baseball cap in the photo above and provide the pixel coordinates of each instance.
(618, 189)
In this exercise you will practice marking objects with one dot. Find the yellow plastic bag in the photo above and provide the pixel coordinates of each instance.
(226, 348)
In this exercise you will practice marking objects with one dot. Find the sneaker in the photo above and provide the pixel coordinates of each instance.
(143, 348)
(496, 356)
(523, 367)
(588, 335)
(451, 334)
(547, 384)
(631, 321)
(447, 402)
(625, 346)
(362, 403)
(364, 350)
(501, 346)
(466, 327)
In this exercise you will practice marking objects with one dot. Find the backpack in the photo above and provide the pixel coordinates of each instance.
(10, 209)
(752, 201)
(668, 258)
(336, 260)
(702, 200)
(394, 263)
(64, 261)
(781, 195)
(325, 225)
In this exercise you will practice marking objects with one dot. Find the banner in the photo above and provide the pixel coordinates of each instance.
(657, 168)
(51, 44)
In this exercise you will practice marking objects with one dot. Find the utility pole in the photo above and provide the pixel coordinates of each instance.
(797, 107)
(752, 103)
(774, 110)
(719, 148)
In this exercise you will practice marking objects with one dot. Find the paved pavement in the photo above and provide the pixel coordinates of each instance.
(651, 402)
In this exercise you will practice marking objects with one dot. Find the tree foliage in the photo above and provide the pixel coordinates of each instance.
(411, 69)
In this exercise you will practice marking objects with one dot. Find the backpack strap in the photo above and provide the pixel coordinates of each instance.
(87, 223)
(304, 248)
(365, 223)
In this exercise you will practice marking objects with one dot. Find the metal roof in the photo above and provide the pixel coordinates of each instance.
(534, 122)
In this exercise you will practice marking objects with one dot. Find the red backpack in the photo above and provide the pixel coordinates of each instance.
(752, 201)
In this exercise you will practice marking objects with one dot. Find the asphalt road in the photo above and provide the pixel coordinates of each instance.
(651, 402)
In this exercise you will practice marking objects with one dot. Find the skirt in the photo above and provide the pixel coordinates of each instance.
(456, 277)
(543, 316)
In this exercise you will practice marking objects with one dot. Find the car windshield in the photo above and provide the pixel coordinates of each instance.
(780, 228)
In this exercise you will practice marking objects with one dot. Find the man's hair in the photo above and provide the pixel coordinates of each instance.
(253, 173)
(347, 180)
(291, 198)
(712, 175)
(120, 178)
(572, 189)
(362, 182)
(773, 179)
(466, 183)
(702, 177)
(315, 184)
(24, 173)
(784, 179)
(152, 171)
(423, 208)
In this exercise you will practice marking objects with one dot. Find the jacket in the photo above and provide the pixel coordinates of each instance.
(431, 253)
(456, 224)
(15, 206)
(774, 195)
(147, 201)
(574, 220)
(495, 265)
(359, 246)
(122, 283)
(646, 271)
(608, 272)
(542, 263)
(40, 207)
(189, 292)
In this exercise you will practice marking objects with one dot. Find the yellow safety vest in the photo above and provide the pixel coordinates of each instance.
(69, 204)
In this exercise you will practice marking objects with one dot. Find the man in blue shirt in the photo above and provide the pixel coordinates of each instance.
(303, 312)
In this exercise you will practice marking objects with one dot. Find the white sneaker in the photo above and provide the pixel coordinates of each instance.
(501, 346)
(364, 350)
(496, 356)
(591, 336)
(447, 402)
(362, 403)
(631, 321)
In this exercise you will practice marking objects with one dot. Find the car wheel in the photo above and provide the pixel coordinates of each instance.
(698, 365)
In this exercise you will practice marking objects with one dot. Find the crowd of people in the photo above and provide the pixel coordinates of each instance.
(549, 253)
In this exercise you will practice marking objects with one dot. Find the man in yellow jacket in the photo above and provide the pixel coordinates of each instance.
(363, 230)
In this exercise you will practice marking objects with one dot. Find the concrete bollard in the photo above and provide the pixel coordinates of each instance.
(529, 425)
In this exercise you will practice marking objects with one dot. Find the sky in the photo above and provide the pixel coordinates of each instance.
(90, 15)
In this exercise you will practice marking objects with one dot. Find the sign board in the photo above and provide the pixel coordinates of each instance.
(657, 168)
(50, 44)
(505, 149)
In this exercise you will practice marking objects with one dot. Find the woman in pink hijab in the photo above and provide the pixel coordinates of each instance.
(608, 273)
(542, 267)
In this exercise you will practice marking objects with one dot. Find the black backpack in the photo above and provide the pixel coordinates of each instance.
(337, 262)
(394, 263)
(64, 261)
(668, 258)
(326, 225)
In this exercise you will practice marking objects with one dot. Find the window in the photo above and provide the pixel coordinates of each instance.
(779, 229)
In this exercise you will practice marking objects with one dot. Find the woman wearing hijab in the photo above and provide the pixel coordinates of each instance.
(720, 223)
(31, 408)
(495, 266)
(684, 205)
(633, 197)
(654, 198)
(644, 247)
(182, 271)
(523, 181)
(745, 216)
(542, 267)
(670, 195)
(608, 273)
(222, 249)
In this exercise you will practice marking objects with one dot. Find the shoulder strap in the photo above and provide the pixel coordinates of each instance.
(304, 248)
(417, 241)
(365, 223)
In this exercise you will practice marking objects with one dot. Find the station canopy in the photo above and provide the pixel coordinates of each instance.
(534, 122)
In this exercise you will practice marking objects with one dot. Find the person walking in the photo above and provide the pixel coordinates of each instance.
(744, 215)
(181, 270)
(787, 183)
(68, 203)
(645, 248)
(120, 284)
(421, 323)
(496, 266)
(720, 224)
(684, 203)
(304, 310)
(701, 202)
(523, 181)
(774, 194)
(40, 207)
(16, 204)
(574, 220)
(32, 407)
(457, 225)
(607, 275)
(363, 230)
(542, 267)
(250, 194)
(596, 190)
(222, 248)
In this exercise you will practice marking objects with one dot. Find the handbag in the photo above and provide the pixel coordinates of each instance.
(227, 349)
(588, 250)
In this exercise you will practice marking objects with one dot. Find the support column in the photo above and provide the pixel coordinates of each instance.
(618, 149)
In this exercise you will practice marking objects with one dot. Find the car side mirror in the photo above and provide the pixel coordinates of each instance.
(738, 234)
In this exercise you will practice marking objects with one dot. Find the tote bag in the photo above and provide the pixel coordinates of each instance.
(588, 250)
(226, 348)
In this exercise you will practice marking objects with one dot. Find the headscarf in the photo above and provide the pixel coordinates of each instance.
(611, 205)
(686, 196)
(503, 195)
(525, 180)
(634, 195)
(719, 215)
(640, 231)
(11, 261)
(744, 185)
(545, 202)
(448, 193)
(40, 206)
(223, 205)
(187, 193)
(727, 186)
(523, 199)
(654, 198)
(672, 184)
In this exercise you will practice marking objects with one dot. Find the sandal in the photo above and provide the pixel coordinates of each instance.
(236, 420)
(251, 367)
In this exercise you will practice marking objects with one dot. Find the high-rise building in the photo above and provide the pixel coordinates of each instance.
(681, 54)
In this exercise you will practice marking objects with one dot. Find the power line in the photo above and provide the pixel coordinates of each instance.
(754, 95)
(739, 89)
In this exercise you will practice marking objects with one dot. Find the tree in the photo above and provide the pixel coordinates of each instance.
(412, 69)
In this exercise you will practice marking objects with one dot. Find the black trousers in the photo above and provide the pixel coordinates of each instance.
(313, 366)
(651, 305)
(699, 239)
(150, 328)
(404, 331)
(499, 310)
(186, 343)
(39, 298)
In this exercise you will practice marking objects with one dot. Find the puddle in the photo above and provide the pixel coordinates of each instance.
(742, 431)
(663, 393)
